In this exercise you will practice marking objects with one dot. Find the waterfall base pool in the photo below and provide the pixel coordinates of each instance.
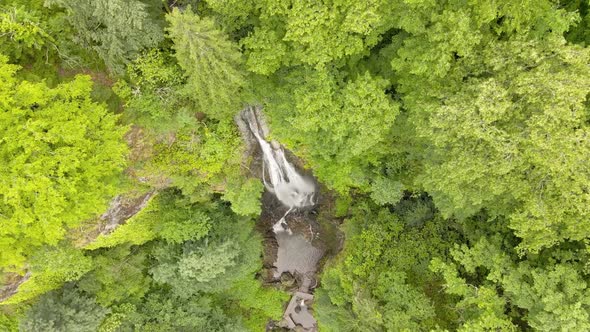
(294, 239)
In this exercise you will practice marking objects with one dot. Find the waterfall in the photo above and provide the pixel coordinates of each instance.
(279, 176)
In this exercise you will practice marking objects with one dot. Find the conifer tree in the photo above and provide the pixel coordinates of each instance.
(116, 29)
(211, 62)
(64, 310)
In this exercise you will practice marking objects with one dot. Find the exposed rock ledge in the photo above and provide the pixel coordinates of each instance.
(11, 287)
(120, 210)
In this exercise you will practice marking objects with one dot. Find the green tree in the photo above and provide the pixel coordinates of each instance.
(60, 152)
(437, 35)
(510, 139)
(341, 127)
(38, 38)
(550, 287)
(386, 191)
(244, 195)
(198, 159)
(481, 308)
(256, 303)
(9, 322)
(380, 280)
(64, 310)
(116, 30)
(153, 95)
(160, 312)
(211, 62)
(179, 221)
(21, 31)
(229, 252)
(118, 276)
(313, 33)
(168, 216)
(233, 15)
(50, 268)
(580, 33)
(209, 266)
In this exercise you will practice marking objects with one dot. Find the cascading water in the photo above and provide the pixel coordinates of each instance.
(280, 177)
(295, 255)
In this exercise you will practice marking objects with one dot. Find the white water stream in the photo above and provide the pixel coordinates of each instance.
(295, 253)
(280, 177)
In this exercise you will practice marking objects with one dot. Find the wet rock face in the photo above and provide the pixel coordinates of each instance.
(290, 193)
(292, 188)
(288, 281)
(244, 127)
(11, 287)
(121, 209)
(297, 315)
(297, 249)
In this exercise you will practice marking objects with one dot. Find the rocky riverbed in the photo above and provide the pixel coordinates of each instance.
(296, 238)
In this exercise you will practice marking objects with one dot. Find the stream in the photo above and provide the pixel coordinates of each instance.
(281, 178)
(293, 241)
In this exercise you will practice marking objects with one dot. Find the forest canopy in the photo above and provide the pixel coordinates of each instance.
(450, 141)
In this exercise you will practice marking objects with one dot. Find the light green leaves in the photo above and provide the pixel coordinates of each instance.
(376, 283)
(340, 126)
(59, 153)
(313, 33)
(20, 31)
(207, 263)
(244, 196)
(554, 293)
(386, 191)
(265, 51)
(512, 140)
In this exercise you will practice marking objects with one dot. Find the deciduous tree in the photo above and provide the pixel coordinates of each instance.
(513, 139)
(59, 154)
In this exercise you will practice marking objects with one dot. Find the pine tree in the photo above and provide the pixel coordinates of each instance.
(65, 310)
(211, 62)
(116, 29)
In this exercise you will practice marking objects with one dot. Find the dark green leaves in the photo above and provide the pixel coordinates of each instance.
(116, 30)
(64, 310)
(210, 61)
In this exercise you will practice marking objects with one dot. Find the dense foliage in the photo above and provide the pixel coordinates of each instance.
(453, 137)
(60, 151)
